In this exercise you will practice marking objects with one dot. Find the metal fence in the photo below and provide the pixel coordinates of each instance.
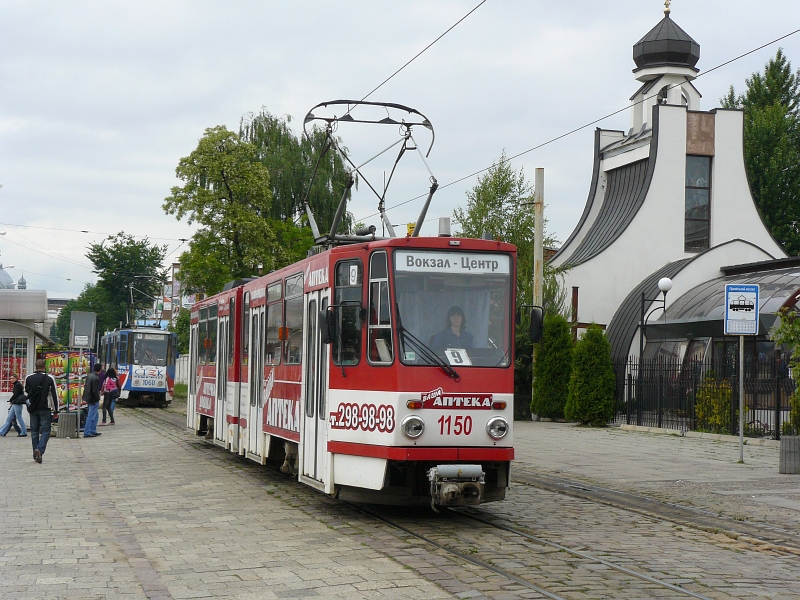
(704, 395)
(182, 369)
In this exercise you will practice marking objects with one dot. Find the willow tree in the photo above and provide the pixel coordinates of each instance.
(291, 161)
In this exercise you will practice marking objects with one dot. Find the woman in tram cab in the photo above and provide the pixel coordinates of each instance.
(455, 333)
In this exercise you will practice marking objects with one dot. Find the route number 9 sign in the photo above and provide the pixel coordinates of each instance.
(458, 357)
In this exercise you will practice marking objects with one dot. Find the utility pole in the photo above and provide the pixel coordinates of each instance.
(538, 235)
(538, 246)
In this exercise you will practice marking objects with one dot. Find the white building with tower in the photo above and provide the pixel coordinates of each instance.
(669, 197)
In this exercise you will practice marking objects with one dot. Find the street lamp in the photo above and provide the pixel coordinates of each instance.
(664, 285)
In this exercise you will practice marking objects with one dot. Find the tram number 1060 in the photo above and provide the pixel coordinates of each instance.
(460, 425)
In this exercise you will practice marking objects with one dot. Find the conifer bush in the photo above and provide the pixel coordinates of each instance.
(592, 385)
(552, 368)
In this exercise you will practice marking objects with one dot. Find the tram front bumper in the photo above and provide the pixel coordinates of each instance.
(456, 485)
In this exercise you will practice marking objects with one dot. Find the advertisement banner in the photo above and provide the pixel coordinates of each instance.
(68, 365)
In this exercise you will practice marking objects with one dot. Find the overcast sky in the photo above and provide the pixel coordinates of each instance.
(99, 100)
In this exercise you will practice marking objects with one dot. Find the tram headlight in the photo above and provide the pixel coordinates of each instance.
(412, 426)
(497, 428)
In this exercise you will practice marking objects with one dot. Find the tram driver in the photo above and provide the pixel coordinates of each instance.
(455, 333)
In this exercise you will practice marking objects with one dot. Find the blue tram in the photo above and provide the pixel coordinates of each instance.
(144, 358)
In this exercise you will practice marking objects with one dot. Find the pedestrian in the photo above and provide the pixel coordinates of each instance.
(15, 417)
(110, 394)
(91, 395)
(42, 403)
(102, 375)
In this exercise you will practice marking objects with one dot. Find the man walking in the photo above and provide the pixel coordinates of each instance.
(91, 395)
(41, 391)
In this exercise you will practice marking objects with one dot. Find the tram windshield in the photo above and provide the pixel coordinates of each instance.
(457, 304)
(150, 349)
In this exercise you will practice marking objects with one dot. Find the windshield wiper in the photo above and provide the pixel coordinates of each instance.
(427, 353)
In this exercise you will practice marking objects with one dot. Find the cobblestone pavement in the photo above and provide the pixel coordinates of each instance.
(149, 511)
(137, 514)
(696, 472)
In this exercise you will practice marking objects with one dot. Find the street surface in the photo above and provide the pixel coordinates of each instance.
(149, 511)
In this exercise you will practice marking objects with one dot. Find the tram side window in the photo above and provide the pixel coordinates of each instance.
(202, 337)
(274, 322)
(349, 281)
(293, 332)
(123, 349)
(212, 334)
(380, 320)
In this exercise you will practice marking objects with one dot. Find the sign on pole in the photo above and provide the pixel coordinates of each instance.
(741, 309)
(81, 329)
(741, 318)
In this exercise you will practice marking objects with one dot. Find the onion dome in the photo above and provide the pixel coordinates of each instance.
(22, 284)
(666, 44)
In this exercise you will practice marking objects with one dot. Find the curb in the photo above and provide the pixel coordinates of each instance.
(717, 437)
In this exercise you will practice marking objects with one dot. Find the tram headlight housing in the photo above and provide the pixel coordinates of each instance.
(497, 428)
(412, 426)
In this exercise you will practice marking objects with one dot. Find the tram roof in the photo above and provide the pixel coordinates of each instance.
(450, 244)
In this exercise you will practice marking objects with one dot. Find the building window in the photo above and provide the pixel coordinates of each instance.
(698, 199)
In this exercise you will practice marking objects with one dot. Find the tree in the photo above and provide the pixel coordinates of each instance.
(788, 334)
(181, 328)
(771, 104)
(552, 369)
(226, 191)
(246, 192)
(92, 298)
(501, 203)
(592, 385)
(129, 273)
(291, 162)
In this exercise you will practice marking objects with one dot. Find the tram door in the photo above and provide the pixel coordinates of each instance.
(315, 386)
(240, 403)
(256, 379)
(222, 377)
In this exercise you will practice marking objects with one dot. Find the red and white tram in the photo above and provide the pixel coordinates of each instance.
(345, 368)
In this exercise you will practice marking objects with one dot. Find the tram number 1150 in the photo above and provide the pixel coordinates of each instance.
(460, 425)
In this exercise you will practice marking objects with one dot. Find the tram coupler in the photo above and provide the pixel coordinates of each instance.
(456, 485)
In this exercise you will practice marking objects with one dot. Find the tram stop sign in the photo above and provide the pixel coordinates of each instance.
(81, 329)
(741, 309)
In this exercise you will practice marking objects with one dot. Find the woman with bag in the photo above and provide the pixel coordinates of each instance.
(15, 411)
(110, 394)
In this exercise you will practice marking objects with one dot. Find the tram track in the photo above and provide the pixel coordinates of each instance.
(778, 538)
(486, 556)
(531, 538)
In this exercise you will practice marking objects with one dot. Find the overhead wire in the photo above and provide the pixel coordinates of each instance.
(584, 126)
(418, 54)
(382, 83)
(88, 232)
